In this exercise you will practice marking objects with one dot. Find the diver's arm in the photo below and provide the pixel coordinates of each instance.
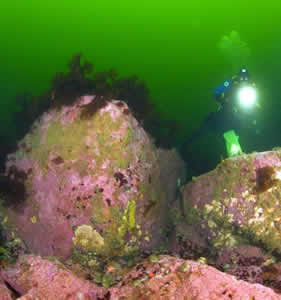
(209, 123)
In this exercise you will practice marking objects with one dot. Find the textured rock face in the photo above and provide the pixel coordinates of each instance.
(166, 277)
(5, 293)
(159, 277)
(238, 203)
(89, 182)
(91, 178)
(36, 278)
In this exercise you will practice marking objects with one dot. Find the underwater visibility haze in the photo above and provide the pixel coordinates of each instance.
(140, 149)
(181, 50)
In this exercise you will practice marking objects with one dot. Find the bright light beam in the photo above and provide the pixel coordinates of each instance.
(247, 96)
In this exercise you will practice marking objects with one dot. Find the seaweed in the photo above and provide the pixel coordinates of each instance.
(82, 79)
(264, 179)
(67, 86)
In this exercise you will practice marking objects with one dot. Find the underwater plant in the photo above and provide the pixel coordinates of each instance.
(265, 179)
(81, 79)
(67, 86)
(135, 93)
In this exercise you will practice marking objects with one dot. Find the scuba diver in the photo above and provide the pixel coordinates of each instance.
(232, 96)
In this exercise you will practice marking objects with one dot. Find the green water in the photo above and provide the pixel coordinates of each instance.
(172, 45)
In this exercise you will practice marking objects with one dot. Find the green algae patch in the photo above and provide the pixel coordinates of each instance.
(68, 141)
(233, 174)
(212, 216)
(217, 215)
(65, 140)
(242, 209)
(192, 215)
(128, 219)
(257, 204)
(265, 223)
(123, 225)
(98, 214)
(117, 224)
(114, 147)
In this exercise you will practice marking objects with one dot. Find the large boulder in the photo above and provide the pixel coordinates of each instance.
(35, 278)
(88, 177)
(236, 204)
(166, 277)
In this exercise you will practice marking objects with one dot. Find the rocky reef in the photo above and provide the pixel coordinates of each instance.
(232, 215)
(159, 277)
(238, 202)
(92, 180)
(94, 210)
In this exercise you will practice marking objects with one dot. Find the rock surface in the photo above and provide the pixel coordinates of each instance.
(158, 277)
(90, 178)
(166, 277)
(5, 293)
(36, 278)
(90, 187)
(238, 203)
(231, 216)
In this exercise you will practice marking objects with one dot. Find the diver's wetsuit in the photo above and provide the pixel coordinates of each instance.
(228, 116)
